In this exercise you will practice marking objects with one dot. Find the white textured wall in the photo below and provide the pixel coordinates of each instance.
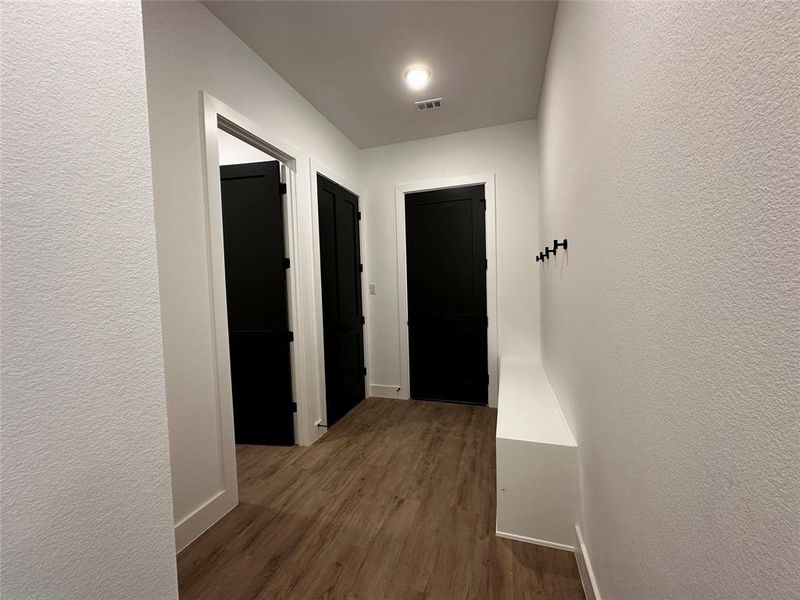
(86, 505)
(510, 152)
(188, 50)
(670, 159)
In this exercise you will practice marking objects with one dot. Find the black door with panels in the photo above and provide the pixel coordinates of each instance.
(340, 267)
(447, 317)
(258, 318)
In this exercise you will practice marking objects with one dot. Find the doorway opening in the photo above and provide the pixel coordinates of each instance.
(338, 224)
(256, 288)
(218, 120)
(447, 289)
(446, 286)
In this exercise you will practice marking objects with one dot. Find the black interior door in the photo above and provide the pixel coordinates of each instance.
(258, 319)
(446, 265)
(340, 265)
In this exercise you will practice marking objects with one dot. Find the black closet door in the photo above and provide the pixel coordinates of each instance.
(258, 318)
(446, 266)
(340, 265)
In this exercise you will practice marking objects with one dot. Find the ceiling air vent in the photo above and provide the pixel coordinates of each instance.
(431, 104)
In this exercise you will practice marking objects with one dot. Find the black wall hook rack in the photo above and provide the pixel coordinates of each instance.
(547, 251)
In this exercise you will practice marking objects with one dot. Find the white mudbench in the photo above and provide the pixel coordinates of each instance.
(537, 460)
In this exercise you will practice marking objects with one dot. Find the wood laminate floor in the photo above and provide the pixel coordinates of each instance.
(397, 501)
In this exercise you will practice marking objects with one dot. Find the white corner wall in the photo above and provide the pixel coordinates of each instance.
(86, 503)
(233, 151)
(510, 152)
(189, 50)
(670, 145)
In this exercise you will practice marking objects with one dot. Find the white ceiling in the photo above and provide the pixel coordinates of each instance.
(347, 58)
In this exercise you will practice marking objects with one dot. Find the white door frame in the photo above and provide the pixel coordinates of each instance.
(316, 167)
(488, 181)
(217, 115)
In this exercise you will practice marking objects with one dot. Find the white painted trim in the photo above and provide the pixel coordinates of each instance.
(204, 516)
(319, 346)
(216, 114)
(530, 540)
(585, 568)
(488, 181)
(317, 167)
(384, 391)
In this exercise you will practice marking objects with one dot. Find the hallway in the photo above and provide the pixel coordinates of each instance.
(255, 255)
(351, 517)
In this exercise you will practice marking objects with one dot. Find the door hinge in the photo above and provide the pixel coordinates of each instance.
(487, 379)
(487, 320)
(287, 264)
(294, 407)
(359, 215)
(364, 371)
(360, 268)
(483, 200)
(282, 189)
(487, 264)
(363, 320)
(290, 335)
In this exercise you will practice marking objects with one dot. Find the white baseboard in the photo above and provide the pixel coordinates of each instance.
(319, 430)
(195, 524)
(585, 568)
(530, 540)
(385, 391)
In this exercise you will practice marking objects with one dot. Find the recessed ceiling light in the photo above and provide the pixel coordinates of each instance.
(417, 77)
